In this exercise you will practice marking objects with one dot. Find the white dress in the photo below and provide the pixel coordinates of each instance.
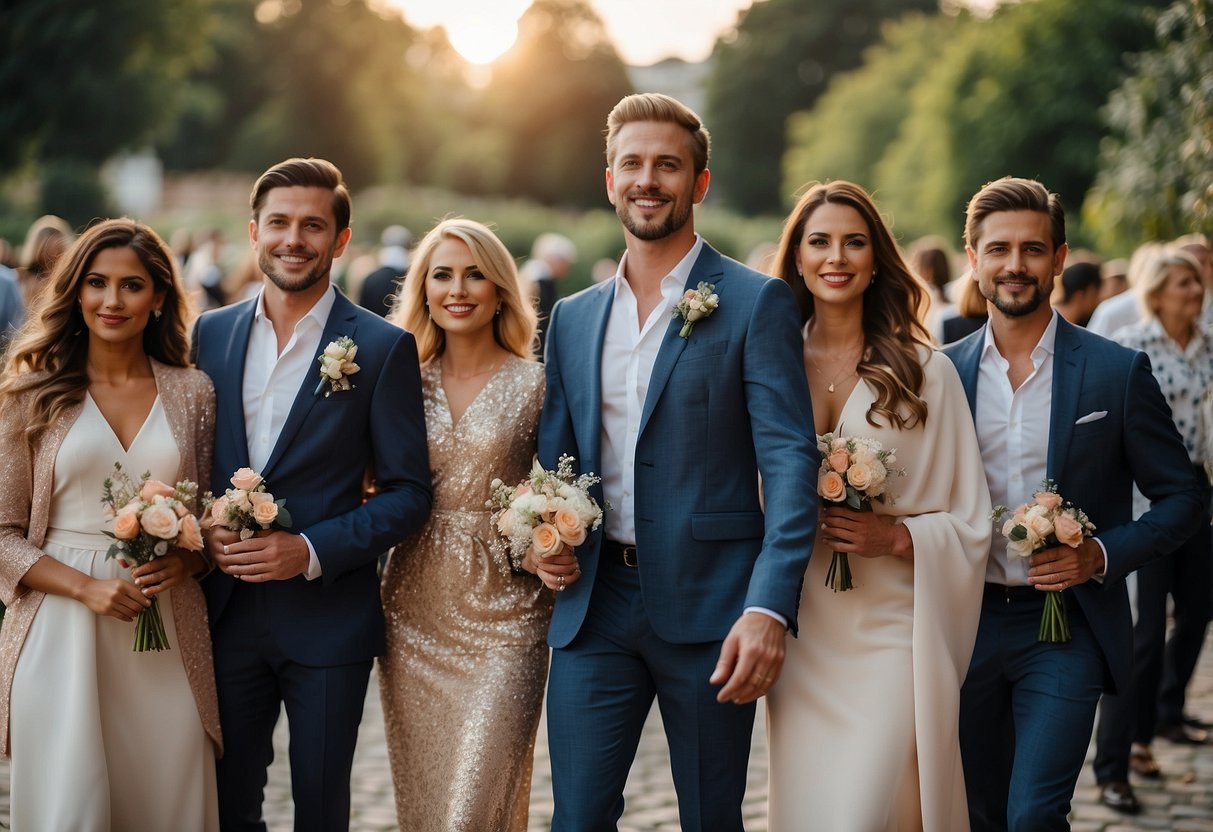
(104, 738)
(863, 722)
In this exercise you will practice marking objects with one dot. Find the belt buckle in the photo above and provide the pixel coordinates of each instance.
(629, 556)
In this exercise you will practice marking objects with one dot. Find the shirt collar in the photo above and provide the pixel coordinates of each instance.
(319, 313)
(674, 281)
(1045, 346)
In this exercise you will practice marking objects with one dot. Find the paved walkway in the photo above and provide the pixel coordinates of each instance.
(1182, 801)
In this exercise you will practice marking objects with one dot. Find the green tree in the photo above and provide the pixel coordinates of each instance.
(781, 58)
(1019, 93)
(847, 132)
(549, 98)
(1156, 178)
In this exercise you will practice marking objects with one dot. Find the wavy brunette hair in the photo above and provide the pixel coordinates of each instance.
(513, 329)
(49, 355)
(893, 305)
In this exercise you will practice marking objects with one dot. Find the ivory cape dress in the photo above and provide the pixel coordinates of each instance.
(463, 677)
(862, 723)
(102, 737)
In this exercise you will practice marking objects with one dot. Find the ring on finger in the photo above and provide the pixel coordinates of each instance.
(560, 583)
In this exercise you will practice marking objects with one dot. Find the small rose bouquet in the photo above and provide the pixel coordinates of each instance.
(246, 507)
(695, 305)
(1047, 521)
(336, 366)
(149, 518)
(544, 513)
(854, 472)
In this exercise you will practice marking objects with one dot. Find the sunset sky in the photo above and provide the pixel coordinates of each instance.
(644, 31)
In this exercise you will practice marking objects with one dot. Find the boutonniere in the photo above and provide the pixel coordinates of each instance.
(696, 304)
(337, 365)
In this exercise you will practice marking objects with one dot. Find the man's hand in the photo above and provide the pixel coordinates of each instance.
(267, 556)
(1062, 567)
(750, 659)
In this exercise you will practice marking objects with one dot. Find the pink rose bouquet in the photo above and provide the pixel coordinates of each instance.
(854, 472)
(246, 507)
(149, 518)
(1047, 521)
(544, 514)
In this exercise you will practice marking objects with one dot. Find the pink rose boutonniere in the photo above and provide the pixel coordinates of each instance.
(337, 365)
(1047, 521)
(696, 304)
(149, 518)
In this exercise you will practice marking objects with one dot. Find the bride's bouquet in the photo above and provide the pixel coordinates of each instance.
(1046, 522)
(544, 513)
(854, 471)
(247, 507)
(149, 518)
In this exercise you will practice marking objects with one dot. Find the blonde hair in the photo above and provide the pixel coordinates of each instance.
(1152, 272)
(653, 106)
(513, 327)
(50, 354)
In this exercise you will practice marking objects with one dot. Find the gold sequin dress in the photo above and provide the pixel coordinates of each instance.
(462, 680)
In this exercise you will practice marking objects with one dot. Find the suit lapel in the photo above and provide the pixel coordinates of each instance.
(707, 268)
(231, 382)
(589, 425)
(1068, 366)
(967, 356)
(342, 321)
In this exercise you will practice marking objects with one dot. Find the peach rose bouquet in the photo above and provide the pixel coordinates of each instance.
(854, 471)
(247, 507)
(1047, 521)
(544, 514)
(149, 518)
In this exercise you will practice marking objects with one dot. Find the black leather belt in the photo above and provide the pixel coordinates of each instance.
(625, 553)
(1000, 593)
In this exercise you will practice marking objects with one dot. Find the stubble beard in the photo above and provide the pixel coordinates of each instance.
(313, 276)
(680, 213)
(1016, 308)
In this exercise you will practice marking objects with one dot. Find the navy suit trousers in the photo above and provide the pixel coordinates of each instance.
(1026, 713)
(600, 691)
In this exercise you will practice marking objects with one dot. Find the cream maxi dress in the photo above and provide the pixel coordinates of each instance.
(863, 720)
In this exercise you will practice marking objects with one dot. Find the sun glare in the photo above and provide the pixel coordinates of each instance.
(479, 30)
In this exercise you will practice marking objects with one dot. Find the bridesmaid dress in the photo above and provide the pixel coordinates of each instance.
(463, 677)
(119, 730)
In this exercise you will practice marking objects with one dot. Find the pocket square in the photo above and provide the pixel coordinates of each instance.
(1092, 417)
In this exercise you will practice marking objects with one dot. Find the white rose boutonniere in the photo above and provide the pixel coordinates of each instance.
(696, 304)
(337, 365)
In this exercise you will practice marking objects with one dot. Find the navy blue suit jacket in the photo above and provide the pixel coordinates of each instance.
(317, 466)
(1095, 465)
(727, 402)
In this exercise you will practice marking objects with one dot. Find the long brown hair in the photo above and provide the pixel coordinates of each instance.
(50, 354)
(893, 305)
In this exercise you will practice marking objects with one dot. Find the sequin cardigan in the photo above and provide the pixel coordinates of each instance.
(26, 480)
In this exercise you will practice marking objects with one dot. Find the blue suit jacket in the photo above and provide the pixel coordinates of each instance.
(727, 402)
(1096, 464)
(317, 466)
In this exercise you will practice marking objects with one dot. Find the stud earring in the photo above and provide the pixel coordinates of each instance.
(157, 313)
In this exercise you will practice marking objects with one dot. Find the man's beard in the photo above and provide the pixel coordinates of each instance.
(1017, 308)
(266, 261)
(678, 216)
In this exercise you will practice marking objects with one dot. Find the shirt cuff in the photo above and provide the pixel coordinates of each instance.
(1104, 573)
(313, 567)
(770, 613)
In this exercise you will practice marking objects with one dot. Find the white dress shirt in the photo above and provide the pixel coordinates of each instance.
(272, 381)
(629, 350)
(1013, 431)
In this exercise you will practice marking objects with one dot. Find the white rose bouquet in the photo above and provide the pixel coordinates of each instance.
(246, 507)
(854, 472)
(149, 518)
(1047, 521)
(544, 513)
